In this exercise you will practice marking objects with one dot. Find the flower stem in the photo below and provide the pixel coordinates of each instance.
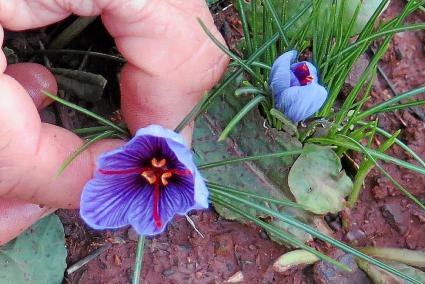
(139, 260)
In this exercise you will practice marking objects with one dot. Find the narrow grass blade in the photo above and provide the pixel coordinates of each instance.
(286, 122)
(276, 20)
(72, 31)
(228, 52)
(411, 257)
(235, 120)
(217, 187)
(402, 106)
(366, 166)
(192, 114)
(82, 148)
(247, 36)
(249, 158)
(91, 130)
(375, 109)
(399, 143)
(86, 112)
(389, 31)
(384, 172)
(373, 153)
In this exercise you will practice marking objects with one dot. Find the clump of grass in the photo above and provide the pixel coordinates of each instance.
(334, 52)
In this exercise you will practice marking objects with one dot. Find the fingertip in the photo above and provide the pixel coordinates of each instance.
(35, 78)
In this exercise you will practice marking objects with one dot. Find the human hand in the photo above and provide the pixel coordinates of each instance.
(170, 61)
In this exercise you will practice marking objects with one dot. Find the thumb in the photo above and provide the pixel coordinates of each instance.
(169, 67)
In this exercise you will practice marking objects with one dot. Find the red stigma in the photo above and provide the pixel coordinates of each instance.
(302, 68)
(156, 217)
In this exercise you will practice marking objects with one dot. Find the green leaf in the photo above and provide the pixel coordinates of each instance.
(292, 259)
(265, 177)
(36, 256)
(380, 276)
(407, 256)
(317, 182)
(83, 85)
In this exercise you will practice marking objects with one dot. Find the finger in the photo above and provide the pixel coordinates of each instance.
(35, 78)
(32, 152)
(172, 62)
(16, 216)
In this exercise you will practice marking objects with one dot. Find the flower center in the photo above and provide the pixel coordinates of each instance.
(303, 74)
(158, 175)
(158, 172)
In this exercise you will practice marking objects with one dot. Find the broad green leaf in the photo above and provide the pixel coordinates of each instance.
(266, 177)
(289, 8)
(317, 182)
(37, 256)
(83, 85)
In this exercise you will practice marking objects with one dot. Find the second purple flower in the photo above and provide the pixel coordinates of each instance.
(295, 87)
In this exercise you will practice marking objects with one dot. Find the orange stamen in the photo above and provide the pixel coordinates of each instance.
(159, 164)
(164, 178)
(149, 176)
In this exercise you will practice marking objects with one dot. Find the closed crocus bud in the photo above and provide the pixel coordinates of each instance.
(295, 87)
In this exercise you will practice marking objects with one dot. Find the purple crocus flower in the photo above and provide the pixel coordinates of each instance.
(295, 87)
(144, 184)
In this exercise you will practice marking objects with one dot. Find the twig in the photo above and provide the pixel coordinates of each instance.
(87, 259)
(193, 225)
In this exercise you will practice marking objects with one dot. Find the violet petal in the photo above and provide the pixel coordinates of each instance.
(301, 102)
(281, 74)
(106, 202)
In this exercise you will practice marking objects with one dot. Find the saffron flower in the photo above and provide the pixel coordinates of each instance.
(295, 87)
(144, 184)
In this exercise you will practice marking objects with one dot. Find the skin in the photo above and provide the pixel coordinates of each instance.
(170, 61)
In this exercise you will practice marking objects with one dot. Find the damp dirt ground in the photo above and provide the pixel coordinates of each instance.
(382, 217)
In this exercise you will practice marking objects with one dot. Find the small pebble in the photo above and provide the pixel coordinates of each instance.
(168, 272)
